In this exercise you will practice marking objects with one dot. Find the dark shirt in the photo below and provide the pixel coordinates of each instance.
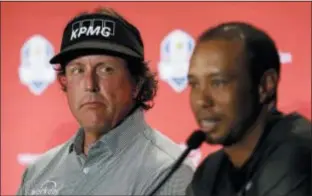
(217, 176)
(237, 178)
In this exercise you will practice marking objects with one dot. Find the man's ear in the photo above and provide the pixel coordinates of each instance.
(63, 81)
(268, 86)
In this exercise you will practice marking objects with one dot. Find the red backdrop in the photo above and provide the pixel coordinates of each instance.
(31, 124)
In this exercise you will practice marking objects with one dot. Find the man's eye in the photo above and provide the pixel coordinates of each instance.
(192, 84)
(76, 70)
(218, 83)
(106, 70)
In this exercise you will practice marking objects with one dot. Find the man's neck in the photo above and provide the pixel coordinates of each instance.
(91, 136)
(240, 152)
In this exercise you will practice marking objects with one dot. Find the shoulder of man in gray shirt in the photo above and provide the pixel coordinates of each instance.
(130, 160)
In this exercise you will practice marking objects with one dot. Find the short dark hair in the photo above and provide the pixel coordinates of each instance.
(138, 69)
(260, 49)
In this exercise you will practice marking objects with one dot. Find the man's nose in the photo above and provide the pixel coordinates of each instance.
(91, 81)
(205, 98)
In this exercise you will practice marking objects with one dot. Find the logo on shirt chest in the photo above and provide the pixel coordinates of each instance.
(47, 188)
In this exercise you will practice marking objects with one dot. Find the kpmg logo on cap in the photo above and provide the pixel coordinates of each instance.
(92, 27)
(35, 71)
(175, 52)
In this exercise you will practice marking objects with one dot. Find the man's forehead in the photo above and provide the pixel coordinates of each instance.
(215, 45)
(217, 56)
(218, 50)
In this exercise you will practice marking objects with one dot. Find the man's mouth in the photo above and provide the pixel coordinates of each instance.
(208, 125)
(92, 104)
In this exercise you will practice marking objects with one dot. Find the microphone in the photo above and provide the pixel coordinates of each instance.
(193, 142)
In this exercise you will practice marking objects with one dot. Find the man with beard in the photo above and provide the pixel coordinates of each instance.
(108, 86)
(233, 78)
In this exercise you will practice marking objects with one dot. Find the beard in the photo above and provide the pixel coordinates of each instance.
(242, 127)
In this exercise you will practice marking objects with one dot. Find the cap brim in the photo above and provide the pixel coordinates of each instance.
(89, 47)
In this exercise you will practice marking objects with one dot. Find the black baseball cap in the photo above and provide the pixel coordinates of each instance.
(99, 34)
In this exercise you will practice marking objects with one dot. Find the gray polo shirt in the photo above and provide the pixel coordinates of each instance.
(129, 160)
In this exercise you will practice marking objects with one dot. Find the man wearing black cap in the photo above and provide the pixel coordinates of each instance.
(233, 79)
(108, 86)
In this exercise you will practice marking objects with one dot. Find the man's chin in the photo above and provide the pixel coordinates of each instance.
(214, 140)
(221, 140)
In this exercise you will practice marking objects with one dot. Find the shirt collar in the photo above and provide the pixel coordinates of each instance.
(116, 139)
